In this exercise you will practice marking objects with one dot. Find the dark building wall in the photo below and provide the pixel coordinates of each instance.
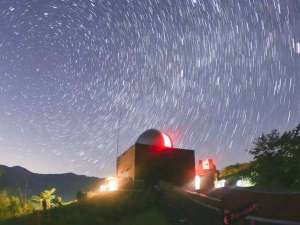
(152, 164)
(176, 166)
(126, 163)
(208, 181)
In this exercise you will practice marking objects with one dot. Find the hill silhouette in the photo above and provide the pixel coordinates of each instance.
(20, 181)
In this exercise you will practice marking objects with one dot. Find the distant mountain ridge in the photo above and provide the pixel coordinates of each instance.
(20, 181)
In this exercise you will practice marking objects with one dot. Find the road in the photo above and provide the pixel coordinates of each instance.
(190, 208)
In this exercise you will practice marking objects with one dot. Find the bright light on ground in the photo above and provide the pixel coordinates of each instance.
(220, 183)
(197, 183)
(244, 183)
(103, 188)
(111, 184)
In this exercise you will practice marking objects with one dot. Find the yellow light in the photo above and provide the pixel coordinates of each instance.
(111, 184)
(103, 188)
(197, 183)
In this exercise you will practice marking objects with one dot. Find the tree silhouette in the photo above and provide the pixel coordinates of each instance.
(277, 159)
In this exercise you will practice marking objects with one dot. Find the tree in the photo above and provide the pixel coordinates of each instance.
(236, 172)
(46, 198)
(277, 159)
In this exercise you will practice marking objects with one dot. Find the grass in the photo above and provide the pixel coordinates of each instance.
(119, 208)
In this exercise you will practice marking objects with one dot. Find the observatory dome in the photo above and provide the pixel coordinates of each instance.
(155, 138)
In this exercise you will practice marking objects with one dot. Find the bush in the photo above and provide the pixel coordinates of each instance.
(12, 206)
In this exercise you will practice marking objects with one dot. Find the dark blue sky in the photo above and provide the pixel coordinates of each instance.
(212, 74)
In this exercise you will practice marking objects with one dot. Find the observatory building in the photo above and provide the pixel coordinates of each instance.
(153, 158)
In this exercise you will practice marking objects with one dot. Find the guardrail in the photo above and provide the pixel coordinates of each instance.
(271, 221)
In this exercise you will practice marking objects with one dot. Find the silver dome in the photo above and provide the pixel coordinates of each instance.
(155, 138)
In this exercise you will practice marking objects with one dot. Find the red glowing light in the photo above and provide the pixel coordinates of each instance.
(167, 140)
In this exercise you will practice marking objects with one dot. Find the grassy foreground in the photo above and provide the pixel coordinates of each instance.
(119, 208)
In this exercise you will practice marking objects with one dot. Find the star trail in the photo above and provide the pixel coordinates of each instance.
(213, 75)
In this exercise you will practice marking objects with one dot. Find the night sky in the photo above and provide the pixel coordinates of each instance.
(214, 75)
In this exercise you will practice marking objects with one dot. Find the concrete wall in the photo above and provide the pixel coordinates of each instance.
(126, 163)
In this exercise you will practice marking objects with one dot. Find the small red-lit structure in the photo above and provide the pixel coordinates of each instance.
(206, 170)
(205, 167)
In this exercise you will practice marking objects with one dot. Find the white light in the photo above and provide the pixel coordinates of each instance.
(244, 183)
(220, 183)
(298, 48)
(205, 164)
(197, 183)
(167, 141)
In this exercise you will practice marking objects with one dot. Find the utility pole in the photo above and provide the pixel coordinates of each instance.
(118, 132)
(118, 138)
